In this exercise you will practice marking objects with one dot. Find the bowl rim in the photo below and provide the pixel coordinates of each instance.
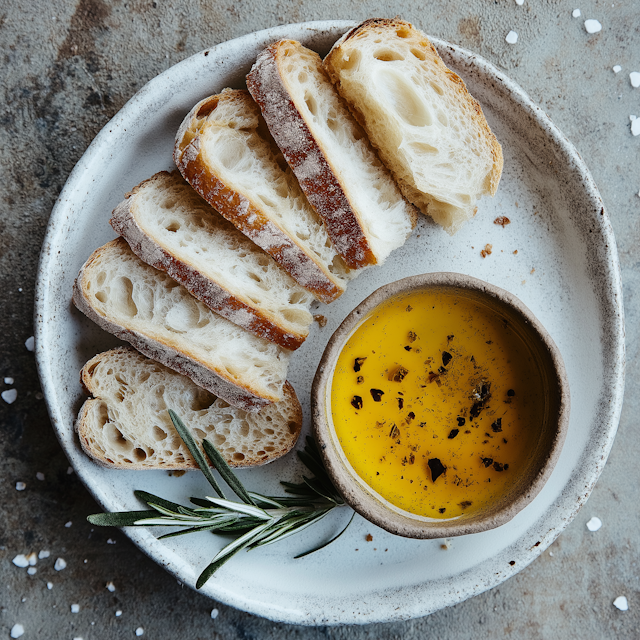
(346, 481)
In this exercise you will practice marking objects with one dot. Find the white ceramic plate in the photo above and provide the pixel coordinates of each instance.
(565, 270)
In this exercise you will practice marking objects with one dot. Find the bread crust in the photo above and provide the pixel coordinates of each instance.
(382, 26)
(217, 298)
(235, 394)
(322, 188)
(83, 426)
(243, 213)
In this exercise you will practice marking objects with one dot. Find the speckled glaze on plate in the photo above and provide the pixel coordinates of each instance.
(565, 270)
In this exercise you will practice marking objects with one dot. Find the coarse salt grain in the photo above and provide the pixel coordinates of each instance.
(111, 541)
(44, 554)
(512, 37)
(20, 486)
(60, 564)
(617, 68)
(576, 13)
(8, 380)
(635, 125)
(9, 396)
(40, 476)
(17, 630)
(21, 561)
(30, 343)
(118, 613)
(75, 608)
(32, 559)
(110, 587)
(68, 524)
(214, 614)
(32, 571)
(139, 631)
(519, 2)
(49, 585)
(69, 470)
(592, 26)
(621, 603)
(634, 78)
(78, 638)
(594, 524)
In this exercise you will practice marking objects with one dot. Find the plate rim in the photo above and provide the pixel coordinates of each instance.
(585, 479)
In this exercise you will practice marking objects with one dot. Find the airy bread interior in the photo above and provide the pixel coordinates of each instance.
(236, 143)
(428, 129)
(127, 424)
(384, 216)
(128, 292)
(176, 218)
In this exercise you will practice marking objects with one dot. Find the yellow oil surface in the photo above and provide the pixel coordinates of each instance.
(437, 403)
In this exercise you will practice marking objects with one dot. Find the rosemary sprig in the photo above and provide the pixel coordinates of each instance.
(256, 521)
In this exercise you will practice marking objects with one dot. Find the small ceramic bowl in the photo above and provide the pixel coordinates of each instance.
(525, 486)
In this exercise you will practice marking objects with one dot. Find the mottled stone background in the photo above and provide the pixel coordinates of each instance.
(67, 69)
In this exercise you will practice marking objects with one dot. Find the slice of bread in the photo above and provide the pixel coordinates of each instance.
(170, 227)
(224, 150)
(342, 177)
(159, 317)
(126, 424)
(428, 129)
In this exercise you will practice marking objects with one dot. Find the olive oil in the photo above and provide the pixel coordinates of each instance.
(437, 402)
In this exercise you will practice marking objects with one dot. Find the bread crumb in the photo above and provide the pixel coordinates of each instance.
(503, 221)
(320, 319)
(515, 253)
(177, 473)
(368, 537)
(523, 281)
(517, 205)
(487, 250)
(592, 26)
(532, 270)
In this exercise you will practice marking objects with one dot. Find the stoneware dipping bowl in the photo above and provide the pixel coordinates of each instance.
(526, 485)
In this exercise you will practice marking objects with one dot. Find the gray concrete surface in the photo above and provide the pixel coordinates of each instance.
(67, 68)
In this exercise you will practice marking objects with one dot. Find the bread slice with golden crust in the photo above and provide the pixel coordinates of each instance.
(126, 424)
(224, 150)
(342, 177)
(170, 227)
(428, 129)
(162, 320)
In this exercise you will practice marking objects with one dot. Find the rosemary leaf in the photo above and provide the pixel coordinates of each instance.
(250, 510)
(149, 497)
(214, 566)
(187, 438)
(322, 546)
(118, 518)
(225, 471)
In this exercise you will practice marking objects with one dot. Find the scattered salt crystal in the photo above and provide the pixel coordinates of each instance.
(512, 37)
(214, 614)
(634, 77)
(75, 608)
(139, 631)
(30, 343)
(621, 603)
(519, 2)
(9, 396)
(21, 561)
(69, 470)
(44, 554)
(32, 571)
(20, 486)
(32, 559)
(111, 541)
(17, 630)
(78, 638)
(118, 613)
(8, 380)
(617, 68)
(49, 585)
(592, 26)
(551, 553)
(40, 476)
(68, 524)
(576, 13)
(110, 587)
(60, 564)
(594, 524)
(635, 125)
